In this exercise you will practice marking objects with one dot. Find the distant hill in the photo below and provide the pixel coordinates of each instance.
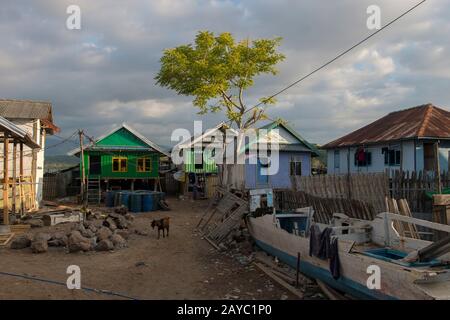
(59, 162)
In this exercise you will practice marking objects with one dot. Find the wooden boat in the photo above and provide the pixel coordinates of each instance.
(361, 244)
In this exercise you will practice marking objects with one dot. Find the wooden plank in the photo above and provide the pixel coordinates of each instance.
(19, 228)
(6, 238)
(278, 280)
(5, 180)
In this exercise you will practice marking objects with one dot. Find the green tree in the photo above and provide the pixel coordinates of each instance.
(217, 71)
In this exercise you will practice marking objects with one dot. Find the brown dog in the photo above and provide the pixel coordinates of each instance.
(162, 224)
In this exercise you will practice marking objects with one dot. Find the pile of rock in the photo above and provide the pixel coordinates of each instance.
(98, 232)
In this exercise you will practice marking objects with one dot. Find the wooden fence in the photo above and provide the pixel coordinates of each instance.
(55, 186)
(373, 188)
(370, 188)
(324, 208)
(413, 187)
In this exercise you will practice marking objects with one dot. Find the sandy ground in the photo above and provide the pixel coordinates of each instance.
(183, 266)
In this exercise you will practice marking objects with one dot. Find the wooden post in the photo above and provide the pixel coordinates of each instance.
(34, 166)
(14, 184)
(83, 173)
(5, 179)
(21, 180)
(437, 167)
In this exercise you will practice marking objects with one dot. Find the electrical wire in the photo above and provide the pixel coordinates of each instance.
(333, 59)
(107, 292)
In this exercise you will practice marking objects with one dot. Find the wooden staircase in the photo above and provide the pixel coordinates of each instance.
(94, 191)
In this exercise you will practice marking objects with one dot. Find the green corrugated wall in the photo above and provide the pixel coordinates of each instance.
(209, 165)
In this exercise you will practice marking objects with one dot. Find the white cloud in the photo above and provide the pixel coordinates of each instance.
(104, 73)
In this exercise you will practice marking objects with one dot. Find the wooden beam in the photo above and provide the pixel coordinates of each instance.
(280, 281)
(14, 176)
(5, 180)
(21, 189)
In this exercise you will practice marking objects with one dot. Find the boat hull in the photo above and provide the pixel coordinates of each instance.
(397, 282)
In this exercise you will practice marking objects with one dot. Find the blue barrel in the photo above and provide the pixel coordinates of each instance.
(122, 199)
(109, 198)
(147, 202)
(136, 202)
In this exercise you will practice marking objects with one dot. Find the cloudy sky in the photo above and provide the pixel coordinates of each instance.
(103, 74)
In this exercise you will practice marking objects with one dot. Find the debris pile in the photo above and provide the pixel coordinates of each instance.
(98, 232)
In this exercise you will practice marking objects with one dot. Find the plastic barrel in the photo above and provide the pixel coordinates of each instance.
(147, 202)
(121, 199)
(136, 202)
(109, 198)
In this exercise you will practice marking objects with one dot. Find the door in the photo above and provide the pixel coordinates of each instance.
(429, 159)
(95, 165)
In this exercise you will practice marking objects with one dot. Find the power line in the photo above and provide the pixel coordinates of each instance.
(334, 59)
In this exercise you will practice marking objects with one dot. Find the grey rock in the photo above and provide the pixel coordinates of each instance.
(39, 246)
(129, 217)
(103, 233)
(118, 241)
(123, 233)
(21, 242)
(109, 222)
(77, 242)
(35, 223)
(42, 236)
(121, 222)
(104, 245)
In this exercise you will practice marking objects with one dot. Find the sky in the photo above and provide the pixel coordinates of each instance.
(103, 74)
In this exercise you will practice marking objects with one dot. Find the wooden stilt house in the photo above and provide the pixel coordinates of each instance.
(121, 159)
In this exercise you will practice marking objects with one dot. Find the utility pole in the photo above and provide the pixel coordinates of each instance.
(83, 173)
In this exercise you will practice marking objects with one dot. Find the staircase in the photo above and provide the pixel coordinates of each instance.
(94, 191)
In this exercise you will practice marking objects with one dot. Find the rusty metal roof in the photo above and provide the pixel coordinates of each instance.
(425, 121)
(28, 109)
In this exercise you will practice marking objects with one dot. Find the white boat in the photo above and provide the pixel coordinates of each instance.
(361, 244)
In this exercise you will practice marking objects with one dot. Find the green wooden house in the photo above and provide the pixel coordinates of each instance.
(196, 157)
(122, 156)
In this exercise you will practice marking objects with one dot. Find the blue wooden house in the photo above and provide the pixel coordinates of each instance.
(294, 159)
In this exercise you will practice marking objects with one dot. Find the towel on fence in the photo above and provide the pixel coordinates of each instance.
(335, 267)
(323, 246)
(314, 240)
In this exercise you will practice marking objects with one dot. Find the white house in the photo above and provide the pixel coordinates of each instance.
(36, 118)
(404, 139)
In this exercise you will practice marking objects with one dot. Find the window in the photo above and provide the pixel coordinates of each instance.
(144, 164)
(120, 164)
(337, 159)
(363, 158)
(392, 157)
(198, 159)
(295, 168)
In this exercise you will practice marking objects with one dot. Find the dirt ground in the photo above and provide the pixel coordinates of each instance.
(182, 266)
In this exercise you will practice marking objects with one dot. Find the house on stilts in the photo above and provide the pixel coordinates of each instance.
(122, 159)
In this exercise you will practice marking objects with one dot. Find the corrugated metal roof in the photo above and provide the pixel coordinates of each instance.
(28, 109)
(425, 121)
(25, 109)
(17, 132)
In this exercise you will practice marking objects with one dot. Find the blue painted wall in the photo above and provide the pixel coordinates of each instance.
(280, 180)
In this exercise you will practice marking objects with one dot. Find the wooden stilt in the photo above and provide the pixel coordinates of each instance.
(5, 180)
